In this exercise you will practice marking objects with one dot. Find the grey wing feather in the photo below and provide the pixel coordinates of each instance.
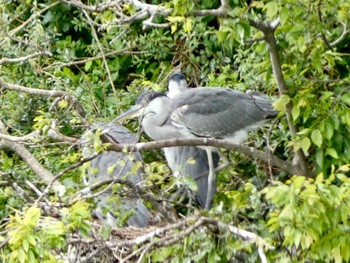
(111, 164)
(217, 112)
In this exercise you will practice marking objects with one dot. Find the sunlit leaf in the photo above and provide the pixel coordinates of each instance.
(332, 152)
(316, 137)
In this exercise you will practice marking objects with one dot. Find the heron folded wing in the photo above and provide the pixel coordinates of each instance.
(218, 112)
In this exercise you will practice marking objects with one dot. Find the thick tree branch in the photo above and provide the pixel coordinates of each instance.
(268, 28)
(47, 93)
(250, 151)
(32, 162)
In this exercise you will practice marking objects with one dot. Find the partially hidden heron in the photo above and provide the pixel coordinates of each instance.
(203, 112)
(110, 165)
(178, 157)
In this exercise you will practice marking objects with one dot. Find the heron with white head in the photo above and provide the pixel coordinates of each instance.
(202, 112)
(178, 157)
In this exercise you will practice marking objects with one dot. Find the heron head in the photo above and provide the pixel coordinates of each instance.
(140, 108)
(177, 84)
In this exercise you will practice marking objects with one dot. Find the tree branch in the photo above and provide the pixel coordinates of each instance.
(55, 135)
(32, 162)
(268, 28)
(25, 58)
(250, 151)
(125, 51)
(28, 21)
(97, 8)
(345, 32)
(47, 93)
(101, 51)
(222, 11)
(169, 235)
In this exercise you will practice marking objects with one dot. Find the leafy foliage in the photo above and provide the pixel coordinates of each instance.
(105, 65)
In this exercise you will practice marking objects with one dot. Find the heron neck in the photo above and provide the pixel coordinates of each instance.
(155, 122)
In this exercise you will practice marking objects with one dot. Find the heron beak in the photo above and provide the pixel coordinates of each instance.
(132, 112)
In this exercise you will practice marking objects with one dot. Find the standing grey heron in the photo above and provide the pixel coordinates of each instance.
(178, 157)
(109, 165)
(202, 113)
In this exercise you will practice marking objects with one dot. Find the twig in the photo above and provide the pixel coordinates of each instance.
(345, 32)
(60, 174)
(125, 51)
(101, 50)
(28, 21)
(96, 8)
(167, 239)
(25, 58)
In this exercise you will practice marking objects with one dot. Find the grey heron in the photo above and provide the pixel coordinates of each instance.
(202, 112)
(178, 157)
(109, 165)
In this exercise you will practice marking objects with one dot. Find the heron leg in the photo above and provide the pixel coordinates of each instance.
(211, 180)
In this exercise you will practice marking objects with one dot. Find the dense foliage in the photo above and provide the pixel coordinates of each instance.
(103, 57)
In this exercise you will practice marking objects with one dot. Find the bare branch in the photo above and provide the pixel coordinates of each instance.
(139, 191)
(25, 58)
(35, 135)
(125, 51)
(48, 93)
(54, 178)
(32, 162)
(250, 151)
(222, 11)
(169, 235)
(96, 8)
(30, 136)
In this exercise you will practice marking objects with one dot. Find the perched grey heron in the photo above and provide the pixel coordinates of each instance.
(205, 113)
(178, 157)
(109, 165)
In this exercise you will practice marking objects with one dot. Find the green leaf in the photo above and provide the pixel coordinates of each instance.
(190, 182)
(305, 145)
(25, 245)
(21, 255)
(346, 98)
(188, 25)
(328, 130)
(271, 9)
(280, 103)
(284, 15)
(332, 152)
(316, 137)
(88, 65)
(295, 112)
